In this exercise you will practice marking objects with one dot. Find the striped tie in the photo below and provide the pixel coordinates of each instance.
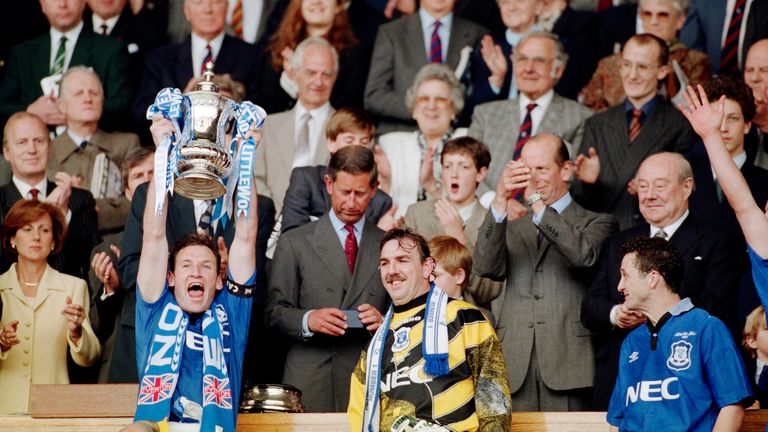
(729, 55)
(435, 46)
(204, 226)
(208, 58)
(61, 54)
(522, 137)
(237, 19)
(635, 124)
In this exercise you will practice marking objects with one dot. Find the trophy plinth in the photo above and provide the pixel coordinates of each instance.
(203, 155)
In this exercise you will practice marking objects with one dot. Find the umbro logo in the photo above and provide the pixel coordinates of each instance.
(634, 356)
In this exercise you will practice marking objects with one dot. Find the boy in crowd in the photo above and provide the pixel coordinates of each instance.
(756, 343)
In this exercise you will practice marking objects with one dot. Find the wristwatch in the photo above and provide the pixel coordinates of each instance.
(535, 197)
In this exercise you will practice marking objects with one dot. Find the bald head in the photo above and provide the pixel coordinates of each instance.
(547, 157)
(26, 147)
(756, 67)
(664, 184)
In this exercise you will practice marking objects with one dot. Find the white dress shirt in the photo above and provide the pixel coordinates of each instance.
(99, 21)
(444, 32)
(199, 51)
(542, 103)
(316, 130)
(72, 36)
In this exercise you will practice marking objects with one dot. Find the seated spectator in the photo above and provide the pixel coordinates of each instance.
(756, 77)
(27, 147)
(88, 154)
(139, 25)
(107, 301)
(44, 312)
(181, 65)
(432, 35)
(409, 162)
(664, 19)
(684, 356)
(327, 19)
(296, 137)
(307, 197)
(755, 341)
(618, 140)
(505, 126)
(32, 71)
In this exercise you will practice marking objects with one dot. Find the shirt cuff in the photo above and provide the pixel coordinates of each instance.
(538, 216)
(494, 89)
(612, 315)
(104, 294)
(305, 325)
(69, 216)
(496, 216)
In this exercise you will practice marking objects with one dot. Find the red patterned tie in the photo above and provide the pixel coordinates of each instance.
(350, 247)
(729, 55)
(635, 124)
(435, 46)
(522, 137)
(33, 192)
(604, 4)
(208, 58)
(237, 19)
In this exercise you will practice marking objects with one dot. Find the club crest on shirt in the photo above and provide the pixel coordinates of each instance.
(401, 339)
(680, 357)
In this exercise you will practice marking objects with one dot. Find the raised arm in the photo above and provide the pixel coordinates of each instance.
(242, 253)
(153, 262)
(706, 119)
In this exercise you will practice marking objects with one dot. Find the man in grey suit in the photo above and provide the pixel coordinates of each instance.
(616, 141)
(325, 294)
(296, 137)
(433, 35)
(502, 125)
(91, 156)
(545, 254)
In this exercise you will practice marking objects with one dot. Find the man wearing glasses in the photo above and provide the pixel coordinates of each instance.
(616, 141)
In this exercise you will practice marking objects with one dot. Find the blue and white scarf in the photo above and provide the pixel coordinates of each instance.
(434, 348)
(161, 374)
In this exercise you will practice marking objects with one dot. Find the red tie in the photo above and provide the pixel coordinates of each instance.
(729, 55)
(208, 57)
(237, 19)
(34, 193)
(350, 247)
(435, 46)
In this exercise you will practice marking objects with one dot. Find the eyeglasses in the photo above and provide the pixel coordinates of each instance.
(661, 17)
(522, 60)
(641, 68)
(439, 101)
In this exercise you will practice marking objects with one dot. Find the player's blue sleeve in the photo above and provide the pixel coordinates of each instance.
(723, 366)
(759, 275)
(147, 317)
(615, 415)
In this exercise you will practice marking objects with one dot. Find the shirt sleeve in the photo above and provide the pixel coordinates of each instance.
(147, 317)
(615, 414)
(759, 274)
(723, 367)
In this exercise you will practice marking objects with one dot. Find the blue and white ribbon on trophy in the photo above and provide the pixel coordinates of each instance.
(249, 116)
(168, 103)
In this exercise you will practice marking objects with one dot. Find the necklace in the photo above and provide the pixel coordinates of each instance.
(31, 283)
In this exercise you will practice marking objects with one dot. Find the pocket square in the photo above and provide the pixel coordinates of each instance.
(697, 258)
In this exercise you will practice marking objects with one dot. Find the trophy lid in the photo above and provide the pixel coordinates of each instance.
(207, 83)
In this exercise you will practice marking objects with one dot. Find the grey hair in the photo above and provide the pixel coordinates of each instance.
(681, 6)
(684, 170)
(298, 55)
(74, 69)
(561, 56)
(436, 72)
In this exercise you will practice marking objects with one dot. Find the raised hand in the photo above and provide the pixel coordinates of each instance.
(588, 167)
(161, 127)
(105, 270)
(494, 58)
(705, 118)
(61, 193)
(75, 315)
(450, 219)
(516, 176)
(383, 167)
(46, 108)
(388, 220)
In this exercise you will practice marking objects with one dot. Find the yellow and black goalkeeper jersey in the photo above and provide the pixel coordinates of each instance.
(474, 396)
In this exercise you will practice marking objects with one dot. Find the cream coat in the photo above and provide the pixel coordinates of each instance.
(41, 357)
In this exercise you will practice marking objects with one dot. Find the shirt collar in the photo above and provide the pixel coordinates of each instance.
(671, 228)
(110, 23)
(71, 35)
(542, 102)
(338, 225)
(562, 203)
(682, 306)
(428, 21)
(466, 211)
(25, 188)
(77, 139)
(319, 112)
(198, 44)
(647, 108)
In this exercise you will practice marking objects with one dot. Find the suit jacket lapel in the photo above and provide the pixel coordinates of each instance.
(83, 49)
(416, 50)
(472, 227)
(685, 236)
(460, 37)
(553, 115)
(326, 243)
(42, 52)
(226, 56)
(285, 128)
(63, 148)
(366, 265)
(617, 141)
(183, 67)
(322, 157)
(648, 139)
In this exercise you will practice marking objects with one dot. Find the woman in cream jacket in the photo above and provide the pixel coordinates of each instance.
(45, 313)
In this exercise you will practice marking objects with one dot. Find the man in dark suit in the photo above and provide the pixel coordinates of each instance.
(32, 61)
(27, 148)
(756, 77)
(433, 35)
(705, 26)
(324, 288)
(181, 65)
(545, 257)
(307, 197)
(664, 184)
(140, 30)
(498, 123)
(615, 26)
(616, 141)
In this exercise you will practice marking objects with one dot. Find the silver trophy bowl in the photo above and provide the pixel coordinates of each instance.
(204, 157)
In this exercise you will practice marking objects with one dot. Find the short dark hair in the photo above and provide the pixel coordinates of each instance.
(194, 239)
(403, 235)
(349, 120)
(657, 254)
(475, 149)
(733, 88)
(133, 159)
(648, 39)
(27, 211)
(353, 160)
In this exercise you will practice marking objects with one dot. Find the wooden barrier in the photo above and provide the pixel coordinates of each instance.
(107, 408)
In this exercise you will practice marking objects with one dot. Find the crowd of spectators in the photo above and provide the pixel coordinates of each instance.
(528, 139)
